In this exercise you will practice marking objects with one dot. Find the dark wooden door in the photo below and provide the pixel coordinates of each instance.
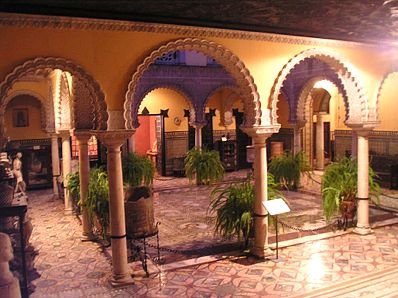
(242, 140)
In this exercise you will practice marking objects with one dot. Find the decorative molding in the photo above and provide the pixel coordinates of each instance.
(44, 65)
(356, 103)
(73, 23)
(225, 57)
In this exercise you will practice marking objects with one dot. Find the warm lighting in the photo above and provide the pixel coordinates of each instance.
(324, 84)
(315, 267)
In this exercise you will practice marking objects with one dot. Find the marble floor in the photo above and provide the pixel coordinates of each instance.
(64, 266)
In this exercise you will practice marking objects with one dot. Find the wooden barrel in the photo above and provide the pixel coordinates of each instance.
(276, 149)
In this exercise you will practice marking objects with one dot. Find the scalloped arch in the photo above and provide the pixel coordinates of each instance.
(222, 55)
(99, 115)
(302, 105)
(356, 102)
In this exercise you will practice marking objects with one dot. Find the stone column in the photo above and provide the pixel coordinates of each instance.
(297, 129)
(84, 175)
(9, 284)
(113, 140)
(354, 145)
(198, 135)
(55, 164)
(320, 143)
(131, 147)
(260, 248)
(363, 226)
(66, 168)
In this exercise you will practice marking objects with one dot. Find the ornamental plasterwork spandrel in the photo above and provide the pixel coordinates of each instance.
(357, 103)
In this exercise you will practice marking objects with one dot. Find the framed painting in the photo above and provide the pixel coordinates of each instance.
(20, 117)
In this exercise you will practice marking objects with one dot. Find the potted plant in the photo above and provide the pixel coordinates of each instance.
(138, 173)
(233, 206)
(205, 165)
(287, 169)
(339, 188)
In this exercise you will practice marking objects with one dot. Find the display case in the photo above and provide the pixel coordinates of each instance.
(227, 151)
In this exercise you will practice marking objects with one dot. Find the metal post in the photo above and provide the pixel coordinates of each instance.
(276, 234)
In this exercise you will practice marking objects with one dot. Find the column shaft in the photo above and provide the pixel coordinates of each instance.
(113, 141)
(363, 226)
(296, 140)
(260, 248)
(320, 144)
(84, 175)
(66, 169)
(354, 145)
(55, 164)
(198, 137)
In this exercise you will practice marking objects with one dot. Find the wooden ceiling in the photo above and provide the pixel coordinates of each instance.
(369, 21)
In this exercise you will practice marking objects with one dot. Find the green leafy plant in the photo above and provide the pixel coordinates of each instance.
(205, 165)
(97, 201)
(138, 170)
(339, 183)
(287, 169)
(74, 190)
(234, 207)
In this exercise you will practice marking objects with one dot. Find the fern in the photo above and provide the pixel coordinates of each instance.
(138, 170)
(205, 165)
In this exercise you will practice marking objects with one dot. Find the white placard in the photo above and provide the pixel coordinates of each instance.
(276, 206)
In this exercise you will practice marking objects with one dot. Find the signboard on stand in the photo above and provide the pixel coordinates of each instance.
(274, 208)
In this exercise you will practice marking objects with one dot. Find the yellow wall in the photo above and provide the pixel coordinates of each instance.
(163, 98)
(283, 112)
(388, 107)
(113, 56)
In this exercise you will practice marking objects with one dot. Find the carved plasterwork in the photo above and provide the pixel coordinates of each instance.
(356, 102)
(87, 85)
(69, 23)
(223, 56)
(64, 113)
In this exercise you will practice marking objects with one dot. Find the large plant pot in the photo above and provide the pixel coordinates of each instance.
(139, 212)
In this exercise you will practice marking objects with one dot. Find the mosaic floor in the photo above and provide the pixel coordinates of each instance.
(64, 266)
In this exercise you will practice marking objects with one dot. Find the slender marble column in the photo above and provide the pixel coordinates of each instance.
(55, 164)
(84, 175)
(260, 248)
(113, 140)
(354, 145)
(198, 136)
(66, 168)
(363, 226)
(320, 144)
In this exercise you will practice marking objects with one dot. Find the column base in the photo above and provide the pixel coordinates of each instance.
(121, 280)
(362, 230)
(261, 252)
(68, 212)
(88, 237)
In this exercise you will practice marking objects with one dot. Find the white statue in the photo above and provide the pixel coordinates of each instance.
(9, 285)
(17, 171)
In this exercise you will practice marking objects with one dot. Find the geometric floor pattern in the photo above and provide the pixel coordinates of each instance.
(64, 266)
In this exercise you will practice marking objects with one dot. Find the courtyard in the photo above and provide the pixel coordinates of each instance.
(315, 260)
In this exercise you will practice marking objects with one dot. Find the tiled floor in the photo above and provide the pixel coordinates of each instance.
(64, 266)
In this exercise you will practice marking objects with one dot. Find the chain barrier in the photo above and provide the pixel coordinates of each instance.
(285, 224)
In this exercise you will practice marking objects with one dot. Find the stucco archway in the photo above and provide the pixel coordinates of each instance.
(356, 101)
(233, 65)
(86, 116)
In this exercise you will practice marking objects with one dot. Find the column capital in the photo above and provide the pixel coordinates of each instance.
(261, 133)
(83, 136)
(198, 125)
(114, 138)
(359, 127)
(65, 133)
(299, 124)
